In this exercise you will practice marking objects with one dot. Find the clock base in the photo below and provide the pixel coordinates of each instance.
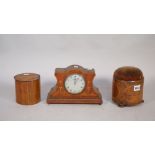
(74, 101)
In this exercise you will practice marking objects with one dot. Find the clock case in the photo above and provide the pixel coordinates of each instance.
(59, 94)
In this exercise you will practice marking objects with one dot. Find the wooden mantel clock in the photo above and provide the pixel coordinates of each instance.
(74, 86)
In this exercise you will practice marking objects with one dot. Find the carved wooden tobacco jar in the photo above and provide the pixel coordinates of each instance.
(27, 88)
(128, 85)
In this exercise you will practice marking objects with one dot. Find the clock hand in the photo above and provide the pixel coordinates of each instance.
(75, 81)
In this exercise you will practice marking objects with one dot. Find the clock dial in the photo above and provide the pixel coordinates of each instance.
(75, 84)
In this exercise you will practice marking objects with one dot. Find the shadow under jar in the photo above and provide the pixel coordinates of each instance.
(128, 85)
(27, 88)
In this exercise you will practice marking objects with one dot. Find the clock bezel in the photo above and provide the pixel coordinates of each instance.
(72, 75)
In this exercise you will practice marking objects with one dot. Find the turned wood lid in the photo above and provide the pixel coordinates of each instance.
(128, 73)
(27, 77)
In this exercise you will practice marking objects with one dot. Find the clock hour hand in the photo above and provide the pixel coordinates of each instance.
(75, 81)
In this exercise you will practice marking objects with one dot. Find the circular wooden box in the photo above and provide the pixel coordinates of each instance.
(128, 85)
(27, 88)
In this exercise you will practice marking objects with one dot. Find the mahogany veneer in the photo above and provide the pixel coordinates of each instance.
(59, 94)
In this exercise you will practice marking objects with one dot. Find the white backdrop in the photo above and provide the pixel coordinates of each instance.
(43, 53)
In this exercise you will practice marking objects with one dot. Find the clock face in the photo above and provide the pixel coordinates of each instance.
(75, 84)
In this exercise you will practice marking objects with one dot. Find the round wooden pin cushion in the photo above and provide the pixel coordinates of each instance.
(27, 88)
(128, 85)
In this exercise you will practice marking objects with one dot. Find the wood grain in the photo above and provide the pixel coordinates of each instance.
(27, 88)
(124, 81)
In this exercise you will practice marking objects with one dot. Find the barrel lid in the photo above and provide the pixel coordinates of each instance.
(128, 73)
(27, 77)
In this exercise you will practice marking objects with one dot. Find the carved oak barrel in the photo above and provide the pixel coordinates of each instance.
(27, 88)
(128, 85)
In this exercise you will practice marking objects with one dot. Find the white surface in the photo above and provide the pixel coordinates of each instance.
(75, 84)
(105, 53)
